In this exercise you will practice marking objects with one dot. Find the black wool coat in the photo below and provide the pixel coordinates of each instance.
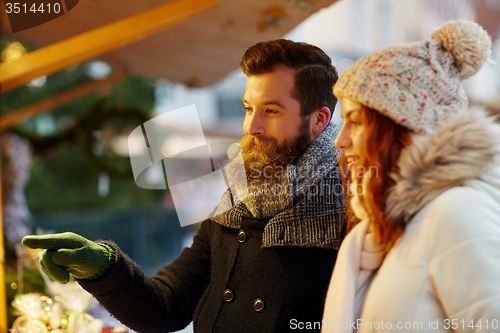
(227, 282)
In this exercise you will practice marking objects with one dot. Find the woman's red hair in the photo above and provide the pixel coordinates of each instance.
(384, 142)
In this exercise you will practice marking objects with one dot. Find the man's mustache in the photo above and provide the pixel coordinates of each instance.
(263, 145)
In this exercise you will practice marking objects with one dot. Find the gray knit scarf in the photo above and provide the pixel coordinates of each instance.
(314, 213)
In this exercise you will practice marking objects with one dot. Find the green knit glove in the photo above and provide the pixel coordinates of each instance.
(69, 253)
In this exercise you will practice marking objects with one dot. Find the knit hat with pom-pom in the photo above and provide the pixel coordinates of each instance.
(418, 85)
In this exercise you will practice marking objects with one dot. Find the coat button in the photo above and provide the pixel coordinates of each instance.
(242, 236)
(228, 295)
(258, 304)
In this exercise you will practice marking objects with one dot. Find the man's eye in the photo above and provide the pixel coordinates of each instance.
(247, 109)
(271, 111)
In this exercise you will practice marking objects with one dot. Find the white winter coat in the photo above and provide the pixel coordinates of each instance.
(443, 274)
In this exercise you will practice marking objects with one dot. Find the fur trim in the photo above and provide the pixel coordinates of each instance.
(459, 151)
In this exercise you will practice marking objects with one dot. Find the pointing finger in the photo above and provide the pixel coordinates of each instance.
(54, 241)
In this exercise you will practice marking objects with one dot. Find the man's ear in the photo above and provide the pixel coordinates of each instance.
(319, 120)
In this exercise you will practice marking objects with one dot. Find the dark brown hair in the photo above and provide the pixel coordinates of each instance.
(314, 76)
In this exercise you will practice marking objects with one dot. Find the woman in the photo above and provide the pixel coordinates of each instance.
(425, 184)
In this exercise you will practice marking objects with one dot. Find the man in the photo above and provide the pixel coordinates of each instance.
(265, 264)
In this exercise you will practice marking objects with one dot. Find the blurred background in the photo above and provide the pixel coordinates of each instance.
(64, 155)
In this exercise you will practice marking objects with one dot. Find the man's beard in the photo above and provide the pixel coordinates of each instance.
(269, 163)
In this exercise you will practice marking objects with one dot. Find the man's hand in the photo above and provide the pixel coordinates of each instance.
(69, 253)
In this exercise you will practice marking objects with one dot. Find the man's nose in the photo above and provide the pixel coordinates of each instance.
(255, 125)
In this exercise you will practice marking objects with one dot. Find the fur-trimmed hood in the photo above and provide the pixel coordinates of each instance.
(466, 151)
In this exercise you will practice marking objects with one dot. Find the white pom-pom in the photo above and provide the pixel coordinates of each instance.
(468, 42)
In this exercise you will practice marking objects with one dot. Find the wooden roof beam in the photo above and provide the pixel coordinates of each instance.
(61, 55)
